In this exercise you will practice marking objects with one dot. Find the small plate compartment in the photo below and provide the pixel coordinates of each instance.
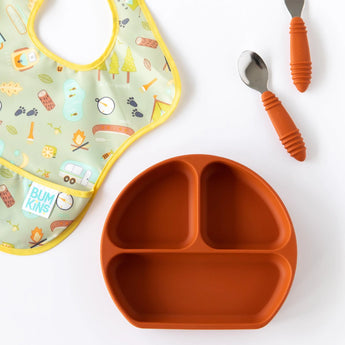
(238, 211)
(156, 210)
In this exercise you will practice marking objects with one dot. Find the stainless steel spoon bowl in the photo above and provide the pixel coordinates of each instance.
(253, 71)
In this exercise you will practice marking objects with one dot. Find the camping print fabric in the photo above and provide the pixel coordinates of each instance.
(59, 128)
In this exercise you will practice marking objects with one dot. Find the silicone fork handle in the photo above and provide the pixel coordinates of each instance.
(288, 133)
(300, 54)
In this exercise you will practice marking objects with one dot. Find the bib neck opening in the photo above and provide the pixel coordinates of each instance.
(61, 61)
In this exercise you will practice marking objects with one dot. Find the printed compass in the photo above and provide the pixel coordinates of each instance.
(106, 105)
(64, 201)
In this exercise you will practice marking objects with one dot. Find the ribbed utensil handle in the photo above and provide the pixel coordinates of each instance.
(301, 69)
(288, 133)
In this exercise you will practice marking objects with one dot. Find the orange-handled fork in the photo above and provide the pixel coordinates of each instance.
(300, 60)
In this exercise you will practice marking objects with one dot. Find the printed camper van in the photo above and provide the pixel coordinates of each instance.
(76, 172)
(24, 59)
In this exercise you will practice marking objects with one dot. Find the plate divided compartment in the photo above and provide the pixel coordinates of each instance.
(198, 242)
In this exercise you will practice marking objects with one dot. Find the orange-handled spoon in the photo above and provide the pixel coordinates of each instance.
(300, 60)
(254, 74)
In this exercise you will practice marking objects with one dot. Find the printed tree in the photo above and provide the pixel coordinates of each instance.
(102, 67)
(114, 65)
(129, 65)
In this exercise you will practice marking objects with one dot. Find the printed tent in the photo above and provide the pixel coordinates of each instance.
(159, 109)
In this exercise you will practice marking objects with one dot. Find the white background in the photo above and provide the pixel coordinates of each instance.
(59, 297)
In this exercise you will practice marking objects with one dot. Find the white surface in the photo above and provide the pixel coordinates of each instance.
(59, 297)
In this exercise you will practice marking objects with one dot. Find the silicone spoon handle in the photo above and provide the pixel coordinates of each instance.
(288, 133)
(300, 54)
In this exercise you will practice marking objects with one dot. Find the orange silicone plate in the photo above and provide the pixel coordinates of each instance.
(198, 242)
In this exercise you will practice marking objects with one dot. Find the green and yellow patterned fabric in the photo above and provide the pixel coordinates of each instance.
(63, 125)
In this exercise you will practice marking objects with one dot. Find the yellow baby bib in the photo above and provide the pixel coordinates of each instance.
(63, 125)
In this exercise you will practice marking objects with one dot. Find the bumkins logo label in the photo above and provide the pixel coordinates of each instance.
(40, 200)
